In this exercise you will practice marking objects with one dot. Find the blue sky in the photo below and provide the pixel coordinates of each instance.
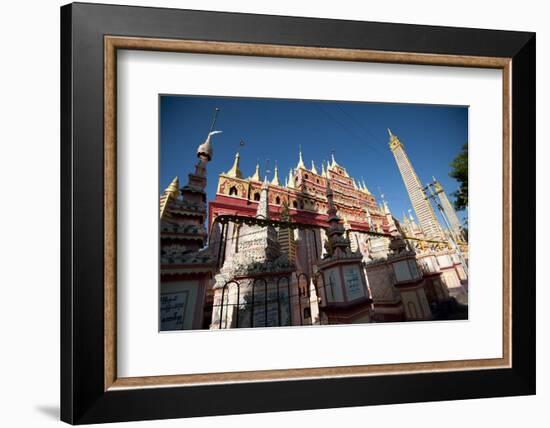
(273, 129)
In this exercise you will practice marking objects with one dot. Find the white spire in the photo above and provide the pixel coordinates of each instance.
(362, 185)
(313, 169)
(386, 208)
(365, 187)
(300, 160)
(256, 175)
(275, 180)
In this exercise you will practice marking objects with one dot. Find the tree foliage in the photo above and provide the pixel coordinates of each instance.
(459, 171)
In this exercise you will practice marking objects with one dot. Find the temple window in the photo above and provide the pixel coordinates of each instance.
(277, 200)
(233, 191)
(295, 204)
(256, 196)
(306, 176)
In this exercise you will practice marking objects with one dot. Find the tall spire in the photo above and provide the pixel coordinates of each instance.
(275, 180)
(323, 171)
(300, 160)
(235, 171)
(422, 207)
(385, 207)
(448, 210)
(394, 142)
(256, 175)
(313, 169)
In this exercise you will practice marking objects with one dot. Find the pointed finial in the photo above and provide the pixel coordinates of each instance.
(313, 169)
(333, 160)
(362, 185)
(323, 171)
(394, 142)
(365, 187)
(386, 208)
(256, 175)
(235, 171)
(173, 188)
(275, 180)
(267, 171)
(300, 160)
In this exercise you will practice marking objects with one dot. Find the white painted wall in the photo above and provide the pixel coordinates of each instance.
(29, 173)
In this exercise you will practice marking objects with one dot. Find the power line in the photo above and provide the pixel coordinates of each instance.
(359, 125)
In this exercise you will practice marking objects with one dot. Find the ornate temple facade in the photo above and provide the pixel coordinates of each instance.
(312, 248)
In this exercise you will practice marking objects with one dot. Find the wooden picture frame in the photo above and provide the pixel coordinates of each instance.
(91, 390)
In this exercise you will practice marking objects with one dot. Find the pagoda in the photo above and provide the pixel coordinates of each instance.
(186, 264)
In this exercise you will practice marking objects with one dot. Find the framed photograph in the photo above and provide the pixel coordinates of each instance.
(316, 212)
